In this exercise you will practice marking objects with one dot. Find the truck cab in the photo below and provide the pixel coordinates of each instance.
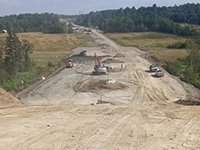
(159, 73)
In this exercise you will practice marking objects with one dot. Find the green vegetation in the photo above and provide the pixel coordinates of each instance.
(46, 23)
(181, 54)
(178, 45)
(14, 82)
(156, 43)
(17, 57)
(45, 52)
(159, 19)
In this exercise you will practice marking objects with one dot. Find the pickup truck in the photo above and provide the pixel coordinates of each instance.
(159, 73)
(153, 68)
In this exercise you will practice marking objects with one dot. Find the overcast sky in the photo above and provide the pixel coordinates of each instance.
(73, 7)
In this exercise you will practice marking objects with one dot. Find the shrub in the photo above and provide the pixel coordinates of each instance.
(175, 67)
(50, 64)
(177, 45)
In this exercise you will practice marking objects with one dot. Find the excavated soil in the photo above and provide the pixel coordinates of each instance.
(7, 100)
(112, 61)
(119, 55)
(188, 102)
(144, 117)
(96, 86)
(116, 70)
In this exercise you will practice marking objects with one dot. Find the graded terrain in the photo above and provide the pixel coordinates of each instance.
(138, 112)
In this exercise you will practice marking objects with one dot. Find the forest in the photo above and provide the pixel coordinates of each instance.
(15, 60)
(46, 23)
(154, 18)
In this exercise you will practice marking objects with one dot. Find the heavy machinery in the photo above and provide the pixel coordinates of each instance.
(98, 69)
(159, 73)
(83, 53)
(70, 64)
(153, 68)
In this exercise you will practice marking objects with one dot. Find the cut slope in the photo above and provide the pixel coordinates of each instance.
(7, 100)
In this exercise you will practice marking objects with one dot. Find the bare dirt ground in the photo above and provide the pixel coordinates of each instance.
(146, 115)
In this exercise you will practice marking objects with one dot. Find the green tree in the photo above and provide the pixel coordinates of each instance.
(1, 55)
(14, 58)
(27, 48)
(70, 30)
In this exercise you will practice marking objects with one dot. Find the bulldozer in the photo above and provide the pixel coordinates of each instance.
(83, 53)
(98, 69)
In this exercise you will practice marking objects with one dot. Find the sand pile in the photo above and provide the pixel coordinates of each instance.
(119, 55)
(7, 100)
(95, 85)
(113, 61)
(188, 102)
(116, 70)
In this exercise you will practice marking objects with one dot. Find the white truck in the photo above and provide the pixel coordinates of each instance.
(159, 73)
(153, 68)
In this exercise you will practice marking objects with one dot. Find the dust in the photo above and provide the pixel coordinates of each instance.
(96, 86)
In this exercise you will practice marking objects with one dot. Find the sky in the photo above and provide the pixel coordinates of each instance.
(75, 7)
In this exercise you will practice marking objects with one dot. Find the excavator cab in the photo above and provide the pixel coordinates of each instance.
(98, 69)
(69, 64)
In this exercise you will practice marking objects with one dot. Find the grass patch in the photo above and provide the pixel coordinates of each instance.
(47, 53)
(169, 54)
(51, 47)
(191, 26)
(154, 42)
(14, 83)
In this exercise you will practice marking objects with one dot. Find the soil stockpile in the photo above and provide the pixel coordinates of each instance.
(113, 61)
(116, 70)
(7, 100)
(95, 85)
(119, 55)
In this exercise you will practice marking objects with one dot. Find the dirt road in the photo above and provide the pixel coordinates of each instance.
(144, 117)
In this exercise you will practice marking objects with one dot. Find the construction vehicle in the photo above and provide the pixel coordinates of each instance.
(70, 64)
(98, 69)
(83, 53)
(159, 73)
(153, 68)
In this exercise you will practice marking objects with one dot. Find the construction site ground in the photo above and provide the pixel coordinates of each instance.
(73, 111)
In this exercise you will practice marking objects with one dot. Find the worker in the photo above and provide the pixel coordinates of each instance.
(70, 64)
(22, 84)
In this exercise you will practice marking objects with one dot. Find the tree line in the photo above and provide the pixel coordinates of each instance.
(188, 69)
(46, 23)
(16, 55)
(154, 18)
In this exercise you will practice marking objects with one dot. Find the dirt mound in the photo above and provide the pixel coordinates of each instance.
(119, 55)
(188, 102)
(116, 70)
(7, 100)
(113, 61)
(95, 85)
